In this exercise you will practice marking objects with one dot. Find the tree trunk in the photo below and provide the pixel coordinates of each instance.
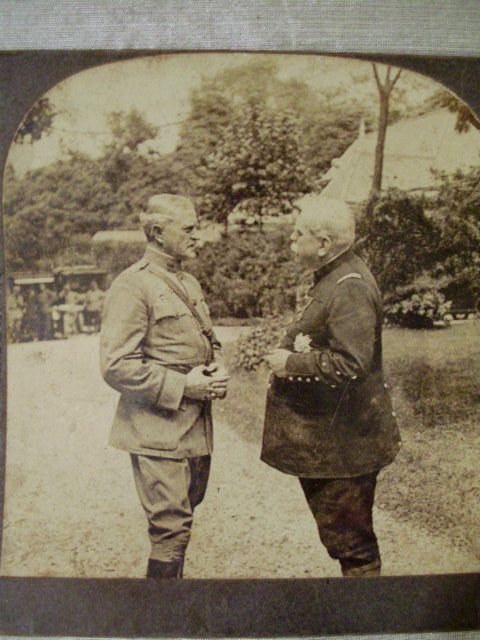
(380, 146)
(384, 92)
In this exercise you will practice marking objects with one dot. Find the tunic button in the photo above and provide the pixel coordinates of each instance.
(385, 385)
(394, 415)
(299, 379)
(338, 373)
(290, 379)
(317, 379)
(354, 377)
(334, 386)
(308, 380)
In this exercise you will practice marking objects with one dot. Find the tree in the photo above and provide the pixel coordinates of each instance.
(128, 130)
(384, 92)
(457, 209)
(37, 122)
(327, 121)
(51, 210)
(397, 239)
(262, 175)
(465, 116)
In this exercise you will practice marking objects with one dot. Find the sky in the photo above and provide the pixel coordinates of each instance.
(159, 86)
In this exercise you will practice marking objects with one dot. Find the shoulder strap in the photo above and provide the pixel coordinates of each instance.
(348, 276)
(184, 298)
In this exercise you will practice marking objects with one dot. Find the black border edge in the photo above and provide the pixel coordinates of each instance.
(242, 608)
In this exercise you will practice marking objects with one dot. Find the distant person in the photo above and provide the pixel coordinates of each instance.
(93, 306)
(31, 315)
(70, 307)
(46, 298)
(15, 310)
(158, 350)
(329, 418)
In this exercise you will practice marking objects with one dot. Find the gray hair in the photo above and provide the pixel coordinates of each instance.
(162, 209)
(328, 216)
(151, 220)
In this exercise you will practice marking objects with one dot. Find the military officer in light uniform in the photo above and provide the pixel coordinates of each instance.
(158, 350)
(329, 419)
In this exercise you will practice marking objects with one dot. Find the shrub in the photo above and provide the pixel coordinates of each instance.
(419, 311)
(397, 239)
(248, 274)
(254, 343)
(457, 208)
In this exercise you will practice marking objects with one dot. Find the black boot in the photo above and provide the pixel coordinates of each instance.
(159, 569)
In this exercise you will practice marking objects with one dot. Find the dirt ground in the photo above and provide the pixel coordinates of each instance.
(71, 507)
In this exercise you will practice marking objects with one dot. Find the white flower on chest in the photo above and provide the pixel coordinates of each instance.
(302, 344)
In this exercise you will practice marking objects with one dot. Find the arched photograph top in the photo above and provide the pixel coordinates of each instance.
(242, 299)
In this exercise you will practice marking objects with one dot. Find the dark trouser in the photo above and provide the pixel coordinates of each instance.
(92, 319)
(342, 508)
(169, 490)
(45, 327)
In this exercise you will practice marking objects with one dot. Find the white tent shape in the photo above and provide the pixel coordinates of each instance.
(413, 148)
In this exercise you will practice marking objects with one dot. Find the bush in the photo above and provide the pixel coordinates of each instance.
(457, 208)
(419, 311)
(248, 274)
(254, 343)
(397, 239)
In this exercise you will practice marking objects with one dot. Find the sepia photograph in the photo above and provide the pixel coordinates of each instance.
(243, 320)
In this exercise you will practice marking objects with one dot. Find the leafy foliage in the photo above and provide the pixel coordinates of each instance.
(248, 274)
(457, 211)
(465, 116)
(419, 311)
(49, 211)
(37, 122)
(264, 174)
(49, 208)
(252, 137)
(255, 342)
(397, 239)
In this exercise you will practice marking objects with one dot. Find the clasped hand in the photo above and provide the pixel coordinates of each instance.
(204, 382)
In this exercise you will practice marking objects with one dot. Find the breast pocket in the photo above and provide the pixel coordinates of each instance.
(173, 330)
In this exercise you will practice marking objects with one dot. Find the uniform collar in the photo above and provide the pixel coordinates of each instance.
(160, 259)
(333, 263)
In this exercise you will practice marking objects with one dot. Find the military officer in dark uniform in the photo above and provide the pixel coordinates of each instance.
(329, 419)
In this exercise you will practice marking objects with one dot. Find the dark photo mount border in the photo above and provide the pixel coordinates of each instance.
(128, 608)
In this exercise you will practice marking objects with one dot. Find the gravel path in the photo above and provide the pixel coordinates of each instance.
(72, 510)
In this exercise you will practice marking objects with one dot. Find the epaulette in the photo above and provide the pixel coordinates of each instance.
(349, 275)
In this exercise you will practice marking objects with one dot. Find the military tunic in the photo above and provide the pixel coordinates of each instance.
(332, 416)
(149, 341)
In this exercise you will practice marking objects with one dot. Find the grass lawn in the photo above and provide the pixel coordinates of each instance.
(435, 378)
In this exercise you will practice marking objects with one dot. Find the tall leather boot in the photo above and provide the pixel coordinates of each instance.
(158, 569)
